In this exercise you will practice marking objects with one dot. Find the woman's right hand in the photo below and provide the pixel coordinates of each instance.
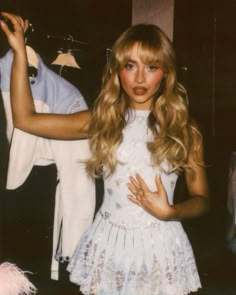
(16, 37)
(154, 202)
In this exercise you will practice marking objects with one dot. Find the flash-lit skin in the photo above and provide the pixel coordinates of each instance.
(140, 81)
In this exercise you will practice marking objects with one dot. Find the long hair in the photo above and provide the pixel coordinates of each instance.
(177, 135)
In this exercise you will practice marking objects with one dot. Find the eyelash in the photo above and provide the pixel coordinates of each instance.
(153, 68)
(130, 66)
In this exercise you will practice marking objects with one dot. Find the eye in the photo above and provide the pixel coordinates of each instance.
(129, 66)
(152, 68)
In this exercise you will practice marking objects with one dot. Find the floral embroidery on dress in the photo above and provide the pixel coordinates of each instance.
(119, 181)
(110, 191)
(118, 206)
(127, 250)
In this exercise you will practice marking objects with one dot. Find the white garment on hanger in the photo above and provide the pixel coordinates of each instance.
(75, 196)
(32, 56)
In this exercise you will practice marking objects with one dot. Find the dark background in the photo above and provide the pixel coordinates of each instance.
(205, 44)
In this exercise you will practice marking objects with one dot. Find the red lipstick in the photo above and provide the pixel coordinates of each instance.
(139, 90)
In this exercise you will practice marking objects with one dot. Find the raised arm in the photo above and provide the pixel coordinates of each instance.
(56, 126)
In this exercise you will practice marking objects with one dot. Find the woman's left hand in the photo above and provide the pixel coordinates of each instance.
(156, 203)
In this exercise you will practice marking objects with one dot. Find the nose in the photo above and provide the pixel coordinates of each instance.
(140, 76)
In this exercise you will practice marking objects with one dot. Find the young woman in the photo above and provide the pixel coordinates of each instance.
(141, 137)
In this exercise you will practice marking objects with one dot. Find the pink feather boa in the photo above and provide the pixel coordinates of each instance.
(13, 281)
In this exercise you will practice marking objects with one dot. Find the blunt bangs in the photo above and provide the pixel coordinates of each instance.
(150, 53)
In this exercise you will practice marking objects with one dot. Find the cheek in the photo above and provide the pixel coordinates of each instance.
(156, 80)
(124, 78)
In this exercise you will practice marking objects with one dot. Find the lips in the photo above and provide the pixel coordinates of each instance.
(139, 90)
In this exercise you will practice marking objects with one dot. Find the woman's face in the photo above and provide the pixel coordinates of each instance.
(140, 81)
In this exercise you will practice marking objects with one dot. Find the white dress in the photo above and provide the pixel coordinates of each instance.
(126, 250)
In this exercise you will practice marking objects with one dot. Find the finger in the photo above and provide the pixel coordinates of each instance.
(135, 186)
(141, 182)
(134, 182)
(16, 21)
(134, 200)
(133, 189)
(5, 28)
(8, 15)
(20, 21)
(19, 24)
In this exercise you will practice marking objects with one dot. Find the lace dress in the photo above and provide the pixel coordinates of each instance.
(127, 251)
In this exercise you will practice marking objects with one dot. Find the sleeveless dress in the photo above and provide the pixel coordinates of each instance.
(126, 250)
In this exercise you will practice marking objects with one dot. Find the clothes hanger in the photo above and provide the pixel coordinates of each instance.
(66, 59)
(67, 39)
(65, 56)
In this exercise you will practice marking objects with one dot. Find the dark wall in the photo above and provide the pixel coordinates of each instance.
(96, 23)
(193, 42)
(205, 43)
(91, 20)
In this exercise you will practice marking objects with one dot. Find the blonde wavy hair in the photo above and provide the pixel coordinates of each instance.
(178, 139)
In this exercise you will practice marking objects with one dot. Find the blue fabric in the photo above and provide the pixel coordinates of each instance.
(61, 96)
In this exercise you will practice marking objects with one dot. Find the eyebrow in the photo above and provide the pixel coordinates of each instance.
(154, 61)
(131, 60)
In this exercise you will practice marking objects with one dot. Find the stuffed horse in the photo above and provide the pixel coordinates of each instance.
(13, 281)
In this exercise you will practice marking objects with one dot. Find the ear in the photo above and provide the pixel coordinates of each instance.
(26, 25)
